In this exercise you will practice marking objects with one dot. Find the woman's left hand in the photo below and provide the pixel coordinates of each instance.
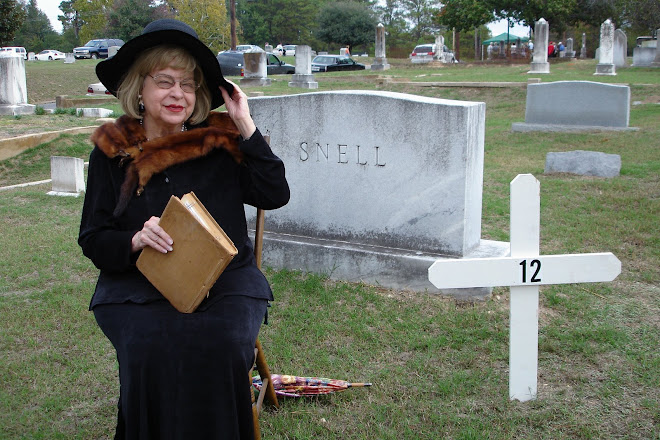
(239, 112)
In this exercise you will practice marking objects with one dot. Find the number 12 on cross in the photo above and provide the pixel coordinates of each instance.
(524, 270)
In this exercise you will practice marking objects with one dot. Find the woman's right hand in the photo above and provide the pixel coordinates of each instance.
(153, 236)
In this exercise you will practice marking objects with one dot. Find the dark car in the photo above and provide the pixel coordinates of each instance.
(332, 63)
(96, 48)
(232, 64)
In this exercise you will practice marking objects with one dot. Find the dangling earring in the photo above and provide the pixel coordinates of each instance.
(140, 104)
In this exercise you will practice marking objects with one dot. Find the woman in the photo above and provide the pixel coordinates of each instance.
(182, 376)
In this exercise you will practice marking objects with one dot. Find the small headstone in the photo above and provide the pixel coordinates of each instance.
(656, 60)
(67, 176)
(583, 49)
(620, 48)
(576, 106)
(583, 163)
(343, 51)
(69, 58)
(303, 77)
(380, 62)
(605, 64)
(643, 56)
(94, 112)
(112, 51)
(269, 48)
(540, 62)
(570, 52)
(32, 56)
(256, 72)
(13, 87)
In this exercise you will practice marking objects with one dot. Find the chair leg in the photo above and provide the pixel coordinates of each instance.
(264, 372)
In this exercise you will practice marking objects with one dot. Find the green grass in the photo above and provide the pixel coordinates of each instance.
(439, 367)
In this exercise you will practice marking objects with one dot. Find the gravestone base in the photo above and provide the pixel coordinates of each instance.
(605, 69)
(539, 67)
(256, 82)
(94, 112)
(375, 265)
(380, 64)
(523, 127)
(303, 81)
(19, 109)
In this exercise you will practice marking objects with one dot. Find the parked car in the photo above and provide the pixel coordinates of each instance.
(332, 63)
(289, 50)
(49, 55)
(232, 63)
(96, 48)
(247, 48)
(97, 89)
(13, 51)
(425, 53)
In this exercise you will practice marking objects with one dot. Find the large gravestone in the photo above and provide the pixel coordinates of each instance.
(576, 106)
(605, 55)
(303, 77)
(13, 87)
(540, 54)
(380, 62)
(620, 48)
(380, 183)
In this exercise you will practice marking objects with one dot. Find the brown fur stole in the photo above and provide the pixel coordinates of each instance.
(126, 138)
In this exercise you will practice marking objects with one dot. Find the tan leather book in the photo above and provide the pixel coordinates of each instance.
(201, 252)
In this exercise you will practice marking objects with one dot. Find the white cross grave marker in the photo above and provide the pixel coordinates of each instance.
(524, 271)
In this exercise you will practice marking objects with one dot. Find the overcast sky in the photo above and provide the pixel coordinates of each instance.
(52, 10)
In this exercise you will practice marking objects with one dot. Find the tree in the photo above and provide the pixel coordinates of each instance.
(36, 30)
(279, 21)
(70, 18)
(421, 14)
(464, 15)
(11, 19)
(129, 17)
(346, 24)
(94, 17)
(209, 19)
(642, 16)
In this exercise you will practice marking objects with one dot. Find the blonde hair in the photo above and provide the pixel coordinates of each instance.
(161, 57)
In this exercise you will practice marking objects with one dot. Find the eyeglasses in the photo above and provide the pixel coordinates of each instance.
(165, 81)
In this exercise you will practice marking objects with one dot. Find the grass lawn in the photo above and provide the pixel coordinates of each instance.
(439, 367)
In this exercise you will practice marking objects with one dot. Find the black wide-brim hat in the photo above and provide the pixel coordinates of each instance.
(171, 32)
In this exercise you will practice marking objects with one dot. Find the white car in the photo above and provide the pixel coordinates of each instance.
(97, 89)
(13, 51)
(49, 55)
(289, 50)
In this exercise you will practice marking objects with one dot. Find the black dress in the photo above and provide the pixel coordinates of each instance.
(182, 376)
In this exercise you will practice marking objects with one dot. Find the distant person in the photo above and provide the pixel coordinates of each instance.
(531, 46)
(561, 49)
(551, 49)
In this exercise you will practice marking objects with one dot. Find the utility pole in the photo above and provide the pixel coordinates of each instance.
(232, 18)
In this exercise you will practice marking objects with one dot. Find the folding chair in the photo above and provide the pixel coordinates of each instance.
(267, 389)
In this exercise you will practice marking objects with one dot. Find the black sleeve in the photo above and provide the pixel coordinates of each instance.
(263, 178)
(100, 237)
